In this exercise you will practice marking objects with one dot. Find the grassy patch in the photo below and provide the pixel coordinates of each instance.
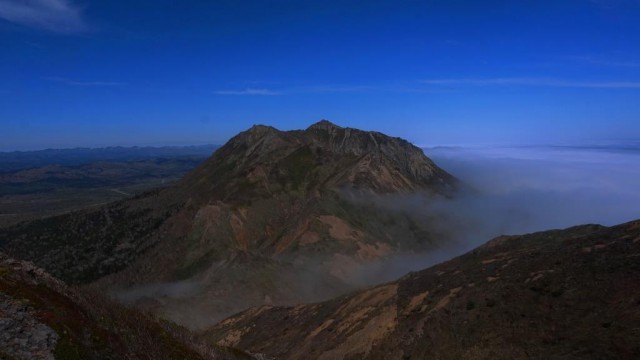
(296, 166)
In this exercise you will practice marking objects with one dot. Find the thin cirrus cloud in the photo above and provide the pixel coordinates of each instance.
(437, 84)
(67, 81)
(600, 61)
(60, 16)
(308, 90)
(612, 63)
(248, 91)
(341, 88)
(595, 60)
(549, 82)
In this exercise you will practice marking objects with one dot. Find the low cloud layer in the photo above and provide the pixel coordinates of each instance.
(512, 191)
(537, 188)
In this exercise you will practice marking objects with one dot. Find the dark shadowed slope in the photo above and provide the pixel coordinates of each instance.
(42, 318)
(269, 210)
(571, 293)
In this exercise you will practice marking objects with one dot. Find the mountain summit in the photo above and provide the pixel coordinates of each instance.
(270, 209)
(325, 125)
(263, 161)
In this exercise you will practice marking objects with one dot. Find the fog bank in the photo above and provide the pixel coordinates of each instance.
(517, 190)
(537, 188)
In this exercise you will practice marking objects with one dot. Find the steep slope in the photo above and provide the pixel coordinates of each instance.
(268, 193)
(42, 318)
(264, 161)
(271, 210)
(571, 293)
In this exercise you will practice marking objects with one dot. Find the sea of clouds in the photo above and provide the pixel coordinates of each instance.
(518, 190)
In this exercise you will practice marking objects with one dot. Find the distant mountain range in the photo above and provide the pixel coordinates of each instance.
(20, 160)
(44, 183)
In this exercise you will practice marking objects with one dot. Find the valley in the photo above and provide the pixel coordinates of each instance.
(43, 183)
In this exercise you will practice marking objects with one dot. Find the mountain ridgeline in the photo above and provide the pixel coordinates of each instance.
(270, 209)
(263, 162)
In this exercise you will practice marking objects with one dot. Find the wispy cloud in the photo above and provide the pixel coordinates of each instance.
(433, 86)
(338, 88)
(600, 60)
(83, 83)
(615, 63)
(320, 89)
(248, 91)
(335, 89)
(524, 81)
(59, 16)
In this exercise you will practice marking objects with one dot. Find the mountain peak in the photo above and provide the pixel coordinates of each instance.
(263, 160)
(259, 128)
(324, 125)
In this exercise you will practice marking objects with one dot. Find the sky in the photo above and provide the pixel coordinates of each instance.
(444, 72)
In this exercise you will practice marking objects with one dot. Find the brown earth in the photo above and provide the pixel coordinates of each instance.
(563, 294)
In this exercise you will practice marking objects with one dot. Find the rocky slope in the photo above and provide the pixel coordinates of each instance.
(270, 210)
(570, 294)
(42, 318)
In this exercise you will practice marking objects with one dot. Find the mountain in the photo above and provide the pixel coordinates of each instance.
(562, 294)
(264, 161)
(288, 215)
(42, 318)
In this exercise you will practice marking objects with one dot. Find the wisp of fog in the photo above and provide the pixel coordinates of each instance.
(517, 190)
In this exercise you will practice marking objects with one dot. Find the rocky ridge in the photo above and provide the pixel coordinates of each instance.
(22, 335)
(42, 318)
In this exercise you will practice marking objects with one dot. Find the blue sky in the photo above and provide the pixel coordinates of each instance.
(98, 73)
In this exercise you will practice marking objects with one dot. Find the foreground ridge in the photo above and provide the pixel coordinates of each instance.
(42, 318)
(571, 293)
